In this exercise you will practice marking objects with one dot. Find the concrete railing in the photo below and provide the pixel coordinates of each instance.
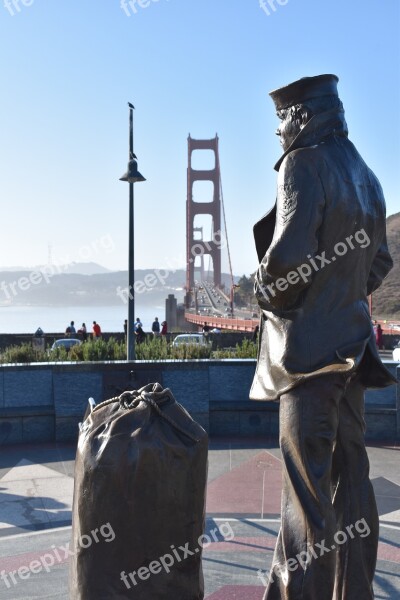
(230, 323)
(44, 402)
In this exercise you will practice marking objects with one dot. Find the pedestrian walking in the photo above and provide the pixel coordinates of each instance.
(379, 336)
(83, 332)
(140, 335)
(70, 330)
(155, 328)
(96, 329)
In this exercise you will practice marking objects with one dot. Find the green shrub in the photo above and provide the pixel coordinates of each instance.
(95, 350)
(24, 353)
(75, 353)
(153, 348)
(159, 349)
(59, 354)
(98, 349)
(246, 349)
(190, 351)
(116, 350)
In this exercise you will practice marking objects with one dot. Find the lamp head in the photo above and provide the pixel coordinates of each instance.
(132, 175)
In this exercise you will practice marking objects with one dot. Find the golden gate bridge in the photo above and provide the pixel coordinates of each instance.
(207, 300)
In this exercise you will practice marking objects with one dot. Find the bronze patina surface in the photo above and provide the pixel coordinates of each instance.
(322, 250)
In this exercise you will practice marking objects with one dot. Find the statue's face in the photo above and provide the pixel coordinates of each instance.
(289, 127)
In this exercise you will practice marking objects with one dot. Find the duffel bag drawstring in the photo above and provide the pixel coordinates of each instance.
(143, 396)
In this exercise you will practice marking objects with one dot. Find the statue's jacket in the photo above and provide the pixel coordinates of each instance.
(322, 250)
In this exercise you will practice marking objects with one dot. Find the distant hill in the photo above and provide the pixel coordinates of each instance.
(89, 268)
(386, 300)
(55, 287)
(90, 284)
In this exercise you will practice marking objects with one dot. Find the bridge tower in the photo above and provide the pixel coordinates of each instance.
(202, 272)
(211, 206)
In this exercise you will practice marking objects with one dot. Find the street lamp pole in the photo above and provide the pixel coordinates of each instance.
(131, 176)
(130, 340)
(232, 295)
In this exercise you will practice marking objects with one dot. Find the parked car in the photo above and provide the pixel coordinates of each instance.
(66, 343)
(396, 353)
(190, 338)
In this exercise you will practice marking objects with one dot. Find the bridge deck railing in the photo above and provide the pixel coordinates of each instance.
(222, 322)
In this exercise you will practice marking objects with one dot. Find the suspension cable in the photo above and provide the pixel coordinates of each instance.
(224, 216)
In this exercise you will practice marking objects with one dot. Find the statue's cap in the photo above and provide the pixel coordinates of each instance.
(304, 89)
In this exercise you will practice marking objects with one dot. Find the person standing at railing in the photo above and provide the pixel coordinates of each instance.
(96, 329)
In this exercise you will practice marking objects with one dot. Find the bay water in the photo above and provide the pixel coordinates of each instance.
(54, 319)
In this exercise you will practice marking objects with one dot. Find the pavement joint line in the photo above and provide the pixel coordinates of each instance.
(216, 520)
(236, 520)
(32, 533)
(263, 494)
(395, 527)
(384, 496)
(391, 481)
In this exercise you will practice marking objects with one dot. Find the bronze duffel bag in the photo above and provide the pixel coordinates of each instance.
(139, 501)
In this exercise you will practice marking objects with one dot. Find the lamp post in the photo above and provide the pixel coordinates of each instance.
(131, 176)
(232, 295)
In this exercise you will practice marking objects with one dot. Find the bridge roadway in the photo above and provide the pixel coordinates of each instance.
(213, 308)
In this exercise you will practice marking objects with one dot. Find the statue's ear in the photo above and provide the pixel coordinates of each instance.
(301, 114)
(304, 116)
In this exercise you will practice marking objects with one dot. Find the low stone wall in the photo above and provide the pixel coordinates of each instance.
(44, 402)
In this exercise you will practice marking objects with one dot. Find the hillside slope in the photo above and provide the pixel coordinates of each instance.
(386, 300)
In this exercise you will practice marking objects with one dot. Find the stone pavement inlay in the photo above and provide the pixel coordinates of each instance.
(251, 488)
(238, 592)
(243, 493)
(33, 496)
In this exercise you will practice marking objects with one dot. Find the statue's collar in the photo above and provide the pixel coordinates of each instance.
(318, 127)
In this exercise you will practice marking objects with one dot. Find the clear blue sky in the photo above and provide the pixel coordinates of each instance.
(200, 66)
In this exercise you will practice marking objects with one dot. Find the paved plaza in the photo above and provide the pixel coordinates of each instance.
(243, 504)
